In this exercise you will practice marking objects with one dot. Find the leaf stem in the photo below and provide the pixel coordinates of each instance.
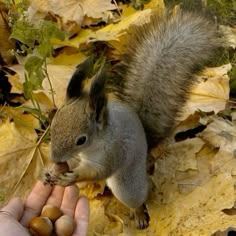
(42, 137)
(49, 81)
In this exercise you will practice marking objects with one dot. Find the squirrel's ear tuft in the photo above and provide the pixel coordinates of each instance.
(83, 71)
(97, 98)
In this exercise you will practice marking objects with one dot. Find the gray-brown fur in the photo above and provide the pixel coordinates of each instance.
(104, 136)
(158, 68)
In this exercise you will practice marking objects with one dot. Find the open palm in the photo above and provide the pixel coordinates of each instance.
(15, 216)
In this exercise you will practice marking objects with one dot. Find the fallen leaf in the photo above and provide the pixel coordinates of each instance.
(111, 32)
(193, 188)
(220, 133)
(210, 93)
(70, 14)
(71, 10)
(19, 148)
(97, 8)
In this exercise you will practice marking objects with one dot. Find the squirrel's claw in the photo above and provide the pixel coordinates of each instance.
(141, 217)
(48, 178)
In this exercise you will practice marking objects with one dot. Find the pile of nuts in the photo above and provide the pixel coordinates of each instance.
(51, 222)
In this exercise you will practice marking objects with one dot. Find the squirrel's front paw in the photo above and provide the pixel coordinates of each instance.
(48, 178)
(53, 173)
(67, 178)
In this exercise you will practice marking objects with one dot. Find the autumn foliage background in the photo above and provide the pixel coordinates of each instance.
(192, 187)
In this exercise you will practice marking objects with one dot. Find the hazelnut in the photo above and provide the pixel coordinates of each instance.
(40, 226)
(64, 226)
(52, 212)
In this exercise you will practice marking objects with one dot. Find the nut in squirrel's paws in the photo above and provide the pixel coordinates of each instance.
(60, 174)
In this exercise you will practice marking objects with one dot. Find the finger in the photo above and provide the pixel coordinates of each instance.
(15, 208)
(35, 201)
(56, 196)
(69, 200)
(81, 217)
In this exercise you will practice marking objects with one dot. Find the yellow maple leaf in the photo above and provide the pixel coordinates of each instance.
(19, 148)
(210, 93)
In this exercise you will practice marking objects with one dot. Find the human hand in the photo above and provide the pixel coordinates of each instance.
(15, 216)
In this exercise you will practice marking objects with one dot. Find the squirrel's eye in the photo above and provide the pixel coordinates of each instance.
(81, 140)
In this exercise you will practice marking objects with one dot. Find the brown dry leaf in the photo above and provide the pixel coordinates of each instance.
(19, 148)
(37, 10)
(210, 93)
(222, 134)
(111, 32)
(195, 186)
(97, 8)
(70, 10)
(197, 213)
(69, 14)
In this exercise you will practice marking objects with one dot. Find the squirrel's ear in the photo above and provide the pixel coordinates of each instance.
(97, 99)
(74, 88)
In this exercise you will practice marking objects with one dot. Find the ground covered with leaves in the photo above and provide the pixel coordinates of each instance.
(192, 187)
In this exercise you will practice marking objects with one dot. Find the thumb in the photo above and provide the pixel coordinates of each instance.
(14, 207)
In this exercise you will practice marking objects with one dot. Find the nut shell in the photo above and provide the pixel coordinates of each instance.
(64, 226)
(41, 226)
(52, 212)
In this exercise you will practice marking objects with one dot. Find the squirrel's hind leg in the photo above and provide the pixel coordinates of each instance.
(131, 188)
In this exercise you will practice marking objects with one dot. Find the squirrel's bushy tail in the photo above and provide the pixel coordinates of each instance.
(159, 66)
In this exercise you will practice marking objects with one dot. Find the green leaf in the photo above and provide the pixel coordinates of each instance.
(28, 88)
(48, 31)
(35, 74)
(33, 63)
(24, 32)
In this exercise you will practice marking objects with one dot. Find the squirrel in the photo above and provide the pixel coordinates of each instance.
(109, 136)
